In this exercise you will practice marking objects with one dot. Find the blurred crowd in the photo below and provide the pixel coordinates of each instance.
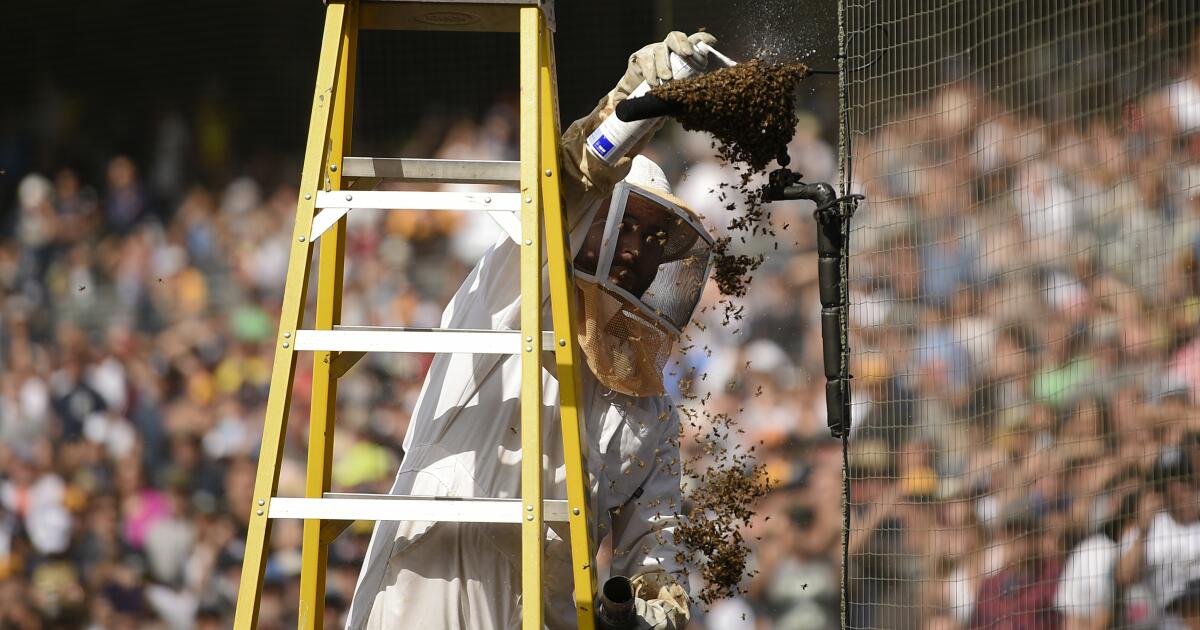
(138, 320)
(1025, 442)
(1026, 309)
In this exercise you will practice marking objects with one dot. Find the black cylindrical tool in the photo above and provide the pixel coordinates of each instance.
(616, 611)
(643, 107)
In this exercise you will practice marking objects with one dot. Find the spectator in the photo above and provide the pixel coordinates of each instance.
(1167, 549)
(1021, 594)
(1087, 596)
(1188, 605)
(124, 202)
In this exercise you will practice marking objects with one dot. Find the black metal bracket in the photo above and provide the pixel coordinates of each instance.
(832, 216)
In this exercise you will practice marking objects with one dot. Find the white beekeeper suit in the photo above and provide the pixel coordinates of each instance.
(464, 441)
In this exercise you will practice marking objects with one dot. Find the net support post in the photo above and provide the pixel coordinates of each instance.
(831, 218)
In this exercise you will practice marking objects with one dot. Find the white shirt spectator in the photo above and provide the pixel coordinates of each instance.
(1172, 556)
(46, 518)
(1085, 588)
(1184, 98)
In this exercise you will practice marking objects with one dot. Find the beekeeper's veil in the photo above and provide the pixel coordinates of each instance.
(640, 279)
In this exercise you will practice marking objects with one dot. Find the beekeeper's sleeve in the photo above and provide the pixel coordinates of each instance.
(587, 179)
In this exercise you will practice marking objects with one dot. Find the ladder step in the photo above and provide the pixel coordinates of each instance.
(434, 171)
(424, 340)
(385, 507)
(335, 204)
(419, 200)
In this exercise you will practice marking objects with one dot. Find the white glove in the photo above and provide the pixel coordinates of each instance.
(652, 65)
(660, 603)
(653, 615)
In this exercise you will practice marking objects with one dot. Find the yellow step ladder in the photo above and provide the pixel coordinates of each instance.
(334, 184)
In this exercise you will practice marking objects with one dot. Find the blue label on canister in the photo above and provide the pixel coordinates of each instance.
(602, 145)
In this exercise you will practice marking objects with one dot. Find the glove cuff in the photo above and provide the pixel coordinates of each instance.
(655, 584)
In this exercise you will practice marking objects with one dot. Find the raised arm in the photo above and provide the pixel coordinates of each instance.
(587, 179)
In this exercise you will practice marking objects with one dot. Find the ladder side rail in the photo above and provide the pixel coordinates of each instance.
(291, 318)
(570, 383)
(330, 278)
(532, 528)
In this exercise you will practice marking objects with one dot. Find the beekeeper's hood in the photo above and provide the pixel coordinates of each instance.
(641, 271)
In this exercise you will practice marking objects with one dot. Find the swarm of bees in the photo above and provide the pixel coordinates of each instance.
(749, 109)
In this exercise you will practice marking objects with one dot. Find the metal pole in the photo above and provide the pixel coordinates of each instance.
(844, 176)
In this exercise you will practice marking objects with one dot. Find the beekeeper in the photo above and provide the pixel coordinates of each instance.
(642, 259)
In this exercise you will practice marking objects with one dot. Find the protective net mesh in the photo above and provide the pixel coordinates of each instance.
(678, 285)
(636, 220)
(1025, 310)
(680, 279)
(624, 349)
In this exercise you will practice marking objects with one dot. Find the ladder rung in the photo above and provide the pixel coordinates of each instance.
(426, 340)
(336, 203)
(439, 171)
(419, 200)
(384, 507)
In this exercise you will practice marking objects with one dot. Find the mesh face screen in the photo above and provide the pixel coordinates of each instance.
(652, 254)
(678, 284)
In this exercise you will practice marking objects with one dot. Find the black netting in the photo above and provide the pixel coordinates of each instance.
(1025, 314)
